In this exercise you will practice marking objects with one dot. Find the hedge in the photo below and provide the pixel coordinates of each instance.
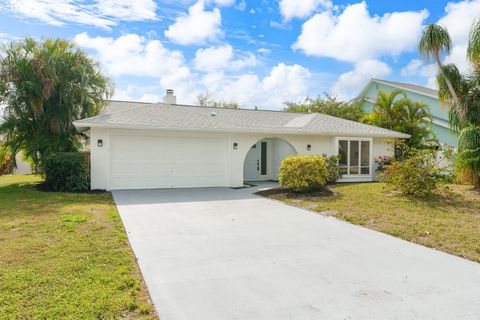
(66, 171)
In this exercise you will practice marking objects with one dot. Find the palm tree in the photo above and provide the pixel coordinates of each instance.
(417, 121)
(434, 42)
(462, 93)
(45, 86)
(393, 110)
(388, 109)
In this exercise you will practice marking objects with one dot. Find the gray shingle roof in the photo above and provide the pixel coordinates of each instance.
(410, 87)
(194, 118)
(119, 106)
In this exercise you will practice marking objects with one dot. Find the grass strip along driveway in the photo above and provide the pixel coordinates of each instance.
(65, 256)
(448, 221)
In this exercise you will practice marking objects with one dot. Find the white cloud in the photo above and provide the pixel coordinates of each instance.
(222, 3)
(287, 83)
(146, 68)
(264, 51)
(458, 21)
(213, 58)
(196, 27)
(222, 57)
(354, 35)
(149, 97)
(301, 8)
(133, 55)
(411, 68)
(103, 13)
(349, 84)
(128, 10)
(248, 59)
(283, 83)
(5, 38)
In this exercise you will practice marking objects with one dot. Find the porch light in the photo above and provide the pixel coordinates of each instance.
(235, 146)
(309, 147)
(100, 143)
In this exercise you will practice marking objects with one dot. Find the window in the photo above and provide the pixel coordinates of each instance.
(354, 156)
(263, 150)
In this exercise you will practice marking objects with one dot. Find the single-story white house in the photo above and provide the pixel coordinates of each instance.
(169, 145)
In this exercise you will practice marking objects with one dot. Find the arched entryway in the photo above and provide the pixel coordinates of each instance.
(263, 159)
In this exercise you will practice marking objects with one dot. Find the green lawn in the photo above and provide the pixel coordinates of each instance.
(448, 221)
(65, 256)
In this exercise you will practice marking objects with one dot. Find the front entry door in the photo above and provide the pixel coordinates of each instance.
(255, 166)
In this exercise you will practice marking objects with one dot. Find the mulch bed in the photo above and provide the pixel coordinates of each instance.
(43, 188)
(282, 193)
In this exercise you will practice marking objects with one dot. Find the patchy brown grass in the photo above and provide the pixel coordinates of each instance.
(448, 221)
(65, 256)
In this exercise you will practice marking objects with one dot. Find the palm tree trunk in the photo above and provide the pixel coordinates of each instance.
(449, 83)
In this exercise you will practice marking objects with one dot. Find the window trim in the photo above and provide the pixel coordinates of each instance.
(370, 164)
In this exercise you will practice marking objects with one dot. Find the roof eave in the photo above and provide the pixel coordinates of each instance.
(365, 88)
(397, 135)
(406, 89)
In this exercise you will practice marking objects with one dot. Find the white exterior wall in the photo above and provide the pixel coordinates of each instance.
(23, 167)
(234, 159)
(380, 148)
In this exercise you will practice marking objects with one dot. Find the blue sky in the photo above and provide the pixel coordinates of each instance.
(259, 53)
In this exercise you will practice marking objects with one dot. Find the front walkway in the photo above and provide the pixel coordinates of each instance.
(218, 253)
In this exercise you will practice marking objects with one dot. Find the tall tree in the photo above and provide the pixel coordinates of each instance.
(351, 110)
(462, 93)
(45, 86)
(394, 111)
(434, 43)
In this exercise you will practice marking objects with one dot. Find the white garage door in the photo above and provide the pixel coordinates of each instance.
(142, 162)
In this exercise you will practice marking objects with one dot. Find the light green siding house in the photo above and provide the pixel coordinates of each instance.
(416, 93)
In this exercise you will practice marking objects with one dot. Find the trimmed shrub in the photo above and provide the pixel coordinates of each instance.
(415, 176)
(303, 173)
(66, 171)
(334, 171)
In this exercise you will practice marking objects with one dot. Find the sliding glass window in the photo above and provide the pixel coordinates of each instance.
(354, 156)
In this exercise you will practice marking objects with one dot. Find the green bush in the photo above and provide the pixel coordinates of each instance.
(334, 171)
(416, 176)
(66, 171)
(6, 160)
(303, 173)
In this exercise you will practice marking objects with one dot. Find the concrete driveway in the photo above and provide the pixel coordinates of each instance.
(226, 254)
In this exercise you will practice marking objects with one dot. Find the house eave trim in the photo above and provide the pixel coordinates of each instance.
(134, 127)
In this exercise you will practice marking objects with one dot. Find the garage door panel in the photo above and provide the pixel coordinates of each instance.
(162, 162)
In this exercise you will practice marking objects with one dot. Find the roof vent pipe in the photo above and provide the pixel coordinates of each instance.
(169, 97)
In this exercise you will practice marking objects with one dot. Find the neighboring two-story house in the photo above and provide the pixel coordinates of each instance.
(417, 93)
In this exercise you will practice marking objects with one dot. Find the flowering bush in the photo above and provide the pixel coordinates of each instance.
(303, 173)
(382, 162)
(416, 176)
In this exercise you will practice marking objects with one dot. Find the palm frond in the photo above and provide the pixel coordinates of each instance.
(473, 49)
(434, 42)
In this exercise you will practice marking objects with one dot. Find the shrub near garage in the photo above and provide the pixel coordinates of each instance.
(66, 171)
(303, 173)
